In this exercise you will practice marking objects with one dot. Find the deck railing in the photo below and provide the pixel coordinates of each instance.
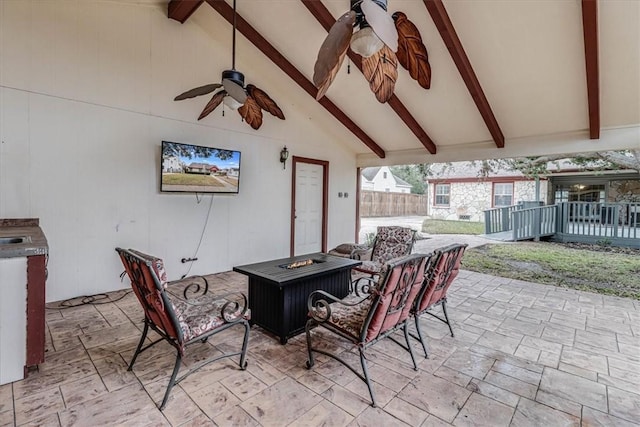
(614, 222)
(533, 223)
(611, 223)
(498, 220)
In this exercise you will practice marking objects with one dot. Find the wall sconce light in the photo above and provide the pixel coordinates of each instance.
(284, 155)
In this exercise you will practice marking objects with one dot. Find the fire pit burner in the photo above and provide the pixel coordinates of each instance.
(300, 263)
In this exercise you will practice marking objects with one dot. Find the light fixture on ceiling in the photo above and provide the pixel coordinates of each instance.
(382, 40)
(365, 43)
(284, 155)
(375, 27)
(248, 100)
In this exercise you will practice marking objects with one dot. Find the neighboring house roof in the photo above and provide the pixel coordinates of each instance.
(400, 182)
(370, 173)
(466, 170)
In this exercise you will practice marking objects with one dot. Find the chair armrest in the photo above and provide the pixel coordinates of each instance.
(319, 304)
(365, 285)
(194, 292)
(192, 286)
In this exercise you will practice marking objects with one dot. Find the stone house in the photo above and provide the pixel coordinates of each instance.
(459, 191)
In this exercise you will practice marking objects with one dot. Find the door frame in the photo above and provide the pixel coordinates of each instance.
(325, 199)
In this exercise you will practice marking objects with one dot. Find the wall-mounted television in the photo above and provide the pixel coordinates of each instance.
(198, 169)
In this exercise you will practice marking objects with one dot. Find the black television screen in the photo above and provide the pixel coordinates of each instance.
(198, 169)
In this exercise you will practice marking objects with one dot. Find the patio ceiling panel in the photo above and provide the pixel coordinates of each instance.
(529, 58)
(619, 63)
(446, 29)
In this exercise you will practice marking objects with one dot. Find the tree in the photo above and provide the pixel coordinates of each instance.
(414, 175)
(596, 161)
(191, 151)
(542, 165)
(418, 174)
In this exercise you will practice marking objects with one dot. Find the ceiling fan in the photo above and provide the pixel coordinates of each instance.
(382, 40)
(248, 100)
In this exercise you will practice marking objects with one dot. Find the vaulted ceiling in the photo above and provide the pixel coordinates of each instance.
(509, 78)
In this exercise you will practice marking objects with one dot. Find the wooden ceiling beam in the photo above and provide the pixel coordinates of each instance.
(590, 32)
(326, 19)
(278, 59)
(181, 10)
(454, 45)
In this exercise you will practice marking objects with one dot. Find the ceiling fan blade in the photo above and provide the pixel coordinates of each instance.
(264, 101)
(412, 53)
(381, 71)
(251, 113)
(212, 104)
(381, 22)
(202, 90)
(234, 90)
(332, 52)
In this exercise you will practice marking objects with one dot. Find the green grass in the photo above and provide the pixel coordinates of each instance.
(555, 264)
(443, 226)
(190, 179)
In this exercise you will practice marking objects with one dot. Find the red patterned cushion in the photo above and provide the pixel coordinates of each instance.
(401, 286)
(156, 263)
(198, 319)
(392, 242)
(444, 272)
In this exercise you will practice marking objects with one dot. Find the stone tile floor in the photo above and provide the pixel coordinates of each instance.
(524, 354)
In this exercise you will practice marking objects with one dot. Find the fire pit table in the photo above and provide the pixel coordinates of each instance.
(278, 289)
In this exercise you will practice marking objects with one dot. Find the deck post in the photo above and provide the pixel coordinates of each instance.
(536, 224)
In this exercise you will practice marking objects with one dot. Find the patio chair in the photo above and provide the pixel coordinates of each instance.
(182, 312)
(443, 270)
(363, 321)
(390, 242)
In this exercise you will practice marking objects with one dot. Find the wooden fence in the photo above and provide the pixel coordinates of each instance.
(378, 203)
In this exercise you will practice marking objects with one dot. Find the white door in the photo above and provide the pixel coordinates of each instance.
(308, 208)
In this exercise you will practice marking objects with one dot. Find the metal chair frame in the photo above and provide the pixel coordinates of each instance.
(161, 317)
(372, 253)
(394, 296)
(442, 272)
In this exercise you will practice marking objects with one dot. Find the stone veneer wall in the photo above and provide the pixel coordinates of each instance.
(624, 191)
(473, 198)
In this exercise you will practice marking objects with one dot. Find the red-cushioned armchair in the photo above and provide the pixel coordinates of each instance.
(442, 272)
(390, 242)
(363, 321)
(183, 312)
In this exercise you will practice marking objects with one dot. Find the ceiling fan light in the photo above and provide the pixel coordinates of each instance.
(365, 42)
(230, 102)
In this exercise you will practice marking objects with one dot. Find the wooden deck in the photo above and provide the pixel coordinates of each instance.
(616, 224)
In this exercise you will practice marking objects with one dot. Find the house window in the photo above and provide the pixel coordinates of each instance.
(384, 175)
(442, 194)
(502, 194)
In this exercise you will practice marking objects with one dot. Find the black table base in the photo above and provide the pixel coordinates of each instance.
(278, 296)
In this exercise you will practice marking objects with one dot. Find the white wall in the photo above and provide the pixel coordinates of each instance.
(86, 97)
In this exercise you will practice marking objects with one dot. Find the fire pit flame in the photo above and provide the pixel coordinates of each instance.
(298, 264)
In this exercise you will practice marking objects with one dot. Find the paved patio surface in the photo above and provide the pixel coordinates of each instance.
(524, 354)
(425, 243)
